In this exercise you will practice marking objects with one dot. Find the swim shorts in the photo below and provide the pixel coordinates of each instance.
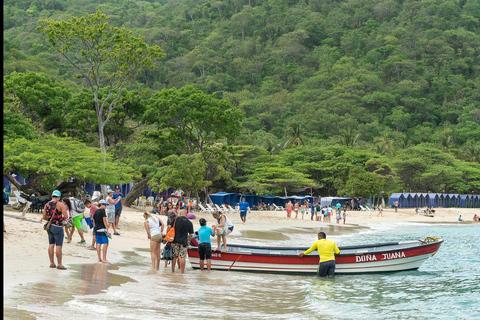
(111, 217)
(179, 250)
(205, 251)
(55, 235)
(101, 239)
(77, 222)
(326, 268)
(243, 214)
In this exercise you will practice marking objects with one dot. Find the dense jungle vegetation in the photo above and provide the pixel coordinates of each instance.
(349, 96)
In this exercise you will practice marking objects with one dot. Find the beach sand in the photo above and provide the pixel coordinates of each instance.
(25, 243)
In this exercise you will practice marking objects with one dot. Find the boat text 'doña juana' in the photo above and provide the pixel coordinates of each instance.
(384, 257)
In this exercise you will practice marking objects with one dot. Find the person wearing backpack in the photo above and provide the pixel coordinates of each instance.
(78, 207)
(56, 212)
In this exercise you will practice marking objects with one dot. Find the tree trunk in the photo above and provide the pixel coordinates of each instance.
(137, 190)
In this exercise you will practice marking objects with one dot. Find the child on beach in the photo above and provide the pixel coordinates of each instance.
(100, 228)
(92, 209)
(204, 244)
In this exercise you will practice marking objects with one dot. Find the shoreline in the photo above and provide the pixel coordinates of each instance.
(25, 243)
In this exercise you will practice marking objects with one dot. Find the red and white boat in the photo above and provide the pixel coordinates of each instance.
(375, 258)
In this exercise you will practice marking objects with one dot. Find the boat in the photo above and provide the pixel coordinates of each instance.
(359, 259)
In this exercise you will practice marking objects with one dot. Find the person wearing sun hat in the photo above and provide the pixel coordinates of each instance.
(56, 212)
(111, 211)
(100, 230)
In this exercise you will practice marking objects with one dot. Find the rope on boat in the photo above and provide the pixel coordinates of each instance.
(234, 262)
(429, 240)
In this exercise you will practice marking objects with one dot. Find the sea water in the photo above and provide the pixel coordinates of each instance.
(447, 286)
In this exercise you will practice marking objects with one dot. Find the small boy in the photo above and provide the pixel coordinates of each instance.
(204, 244)
(101, 235)
(89, 221)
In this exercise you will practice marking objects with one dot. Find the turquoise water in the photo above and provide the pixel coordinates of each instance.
(447, 286)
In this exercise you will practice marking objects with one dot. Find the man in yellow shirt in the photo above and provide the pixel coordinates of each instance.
(327, 250)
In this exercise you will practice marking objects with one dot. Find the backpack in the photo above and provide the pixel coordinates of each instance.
(77, 205)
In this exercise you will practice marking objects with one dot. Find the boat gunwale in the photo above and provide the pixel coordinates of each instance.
(438, 242)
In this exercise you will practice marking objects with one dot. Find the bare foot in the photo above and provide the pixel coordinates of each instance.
(224, 250)
(105, 261)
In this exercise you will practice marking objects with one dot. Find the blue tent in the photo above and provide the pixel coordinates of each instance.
(220, 198)
(396, 197)
(269, 199)
(463, 200)
(432, 199)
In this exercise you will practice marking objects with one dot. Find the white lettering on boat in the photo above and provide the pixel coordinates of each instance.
(366, 258)
(216, 255)
(393, 255)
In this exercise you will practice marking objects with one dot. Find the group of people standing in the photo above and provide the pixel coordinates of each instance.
(317, 212)
(66, 213)
(184, 235)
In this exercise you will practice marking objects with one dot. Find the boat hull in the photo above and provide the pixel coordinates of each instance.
(353, 261)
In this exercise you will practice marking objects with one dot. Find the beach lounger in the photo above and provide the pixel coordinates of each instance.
(219, 208)
(150, 201)
(363, 208)
(202, 208)
(224, 208)
(142, 202)
(210, 208)
(278, 208)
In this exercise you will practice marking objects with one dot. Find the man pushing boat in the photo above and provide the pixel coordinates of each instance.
(327, 249)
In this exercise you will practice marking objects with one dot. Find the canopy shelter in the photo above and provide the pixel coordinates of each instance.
(332, 201)
(454, 200)
(475, 201)
(443, 200)
(396, 197)
(220, 198)
(463, 199)
(269, 199)
(433, 199)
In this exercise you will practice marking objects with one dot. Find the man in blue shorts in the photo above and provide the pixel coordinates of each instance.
(327, 250)
(204, 244)
(118, 205)
(243, 210)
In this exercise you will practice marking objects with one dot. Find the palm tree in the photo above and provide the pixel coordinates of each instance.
(295, 136)
(348, 137)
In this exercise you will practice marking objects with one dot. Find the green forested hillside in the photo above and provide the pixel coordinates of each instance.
(325, 85)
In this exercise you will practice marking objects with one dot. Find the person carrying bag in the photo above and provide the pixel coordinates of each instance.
(171, 233)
